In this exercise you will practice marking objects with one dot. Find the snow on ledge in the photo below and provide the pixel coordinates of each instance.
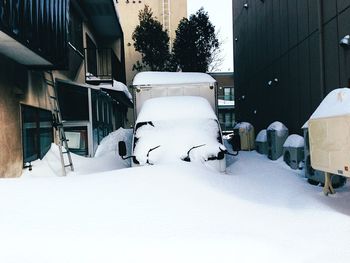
(336, 103)
(162, 78)
(294, 141)
(117, 86)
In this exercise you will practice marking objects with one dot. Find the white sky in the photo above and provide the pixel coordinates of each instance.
(220, 14)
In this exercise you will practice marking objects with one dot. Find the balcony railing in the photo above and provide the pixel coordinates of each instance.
(41, 26)
(102, 65)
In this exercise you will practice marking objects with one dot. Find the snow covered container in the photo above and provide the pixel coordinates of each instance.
(261, 142)
(329, 134)
(293, 151)
(147, 85)
(277, 134)
(246, 134)
(313, 176)
(177, 129)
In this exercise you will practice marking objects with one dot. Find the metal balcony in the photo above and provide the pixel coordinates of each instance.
(102, 65)
(34, 32)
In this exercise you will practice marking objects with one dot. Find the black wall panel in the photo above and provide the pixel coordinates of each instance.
(303, 19)
(342, 4)
(293, 22)
(276, 30)
(329, 10)
(331, 58)
(315, 69)
(344, 53)
(281, 39)
(284, 26)
(313, 15)
(304, 82)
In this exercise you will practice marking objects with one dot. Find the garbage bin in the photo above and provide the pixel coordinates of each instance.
(261, 142)
(293, 151)
(277, 134)
(246, 134)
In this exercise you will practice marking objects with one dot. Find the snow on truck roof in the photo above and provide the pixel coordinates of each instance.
(175, 108)
(336, 103)
(162, 78)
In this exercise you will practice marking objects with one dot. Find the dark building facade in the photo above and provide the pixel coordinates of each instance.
(288, 57)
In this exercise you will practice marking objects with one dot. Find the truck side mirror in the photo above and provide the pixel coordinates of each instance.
(122, 148)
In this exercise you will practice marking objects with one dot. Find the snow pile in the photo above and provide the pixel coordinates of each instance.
(336, 103)
(161, 78)
(109, 144)
(279, 127)
(260, 211)
(106, 159)
(176, 124)
(175, 108)
(294, 141)
(262, 136)
(243, 126)
(117, 86)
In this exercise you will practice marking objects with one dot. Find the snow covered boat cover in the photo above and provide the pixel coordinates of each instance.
(336, 103)
(163, 78)
(294, 141)
(262, 136)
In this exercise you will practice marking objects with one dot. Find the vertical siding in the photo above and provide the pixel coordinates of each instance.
(281, 39)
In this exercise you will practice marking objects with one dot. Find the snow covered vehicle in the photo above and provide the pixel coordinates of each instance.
(176, 120)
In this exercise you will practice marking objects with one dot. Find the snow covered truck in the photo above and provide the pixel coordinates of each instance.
(176, 120)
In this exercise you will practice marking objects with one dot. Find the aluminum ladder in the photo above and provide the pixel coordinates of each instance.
(57, 122)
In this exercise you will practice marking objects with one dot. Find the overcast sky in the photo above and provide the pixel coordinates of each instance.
(220, 14)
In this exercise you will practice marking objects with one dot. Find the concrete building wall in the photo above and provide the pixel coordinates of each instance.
(288, 58)
(128, 13)
(18, 86)
(21, 86)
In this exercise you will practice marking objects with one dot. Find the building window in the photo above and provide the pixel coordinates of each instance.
(76, 30)
(91, 56)
(37, 132)
(228, 93)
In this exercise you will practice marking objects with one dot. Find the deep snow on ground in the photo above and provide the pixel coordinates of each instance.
(259, 211)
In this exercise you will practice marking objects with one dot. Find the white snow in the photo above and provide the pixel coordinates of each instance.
(178, 124)
(294, 141)
(262, 136)
(226, 102)
(244, 126)
(279, 127)
(176, 138)
(174, 108)
(106, 158)
(161, 78)
(260, 211)
(117, 86)
(336, 103)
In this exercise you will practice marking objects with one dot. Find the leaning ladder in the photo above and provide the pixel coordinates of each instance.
(57, 122)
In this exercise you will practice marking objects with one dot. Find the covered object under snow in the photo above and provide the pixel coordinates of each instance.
(316, 176)
(168, 128)
(246, 134)
(293, 151)
(277, 134)
(329, 134)
(147, 85)
(261, 142)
